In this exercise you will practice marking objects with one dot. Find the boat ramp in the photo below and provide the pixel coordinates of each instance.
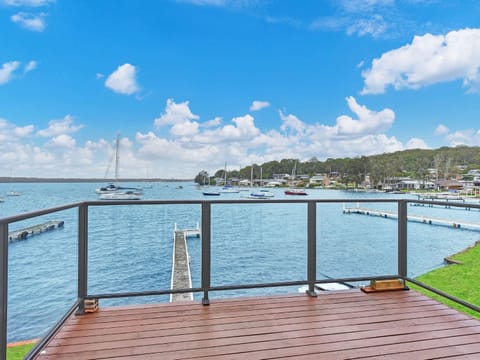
(27, 232)
(457, 224)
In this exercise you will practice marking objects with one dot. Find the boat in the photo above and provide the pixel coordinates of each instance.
(211, 193)
(113, 191)
(226, 187)
(14, 193)
(295, 192)
(292, 190)
(122, 195)
(262, 193)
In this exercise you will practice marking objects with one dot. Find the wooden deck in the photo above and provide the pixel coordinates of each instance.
(335, 325)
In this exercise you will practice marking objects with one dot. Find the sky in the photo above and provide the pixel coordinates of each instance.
(189, 85)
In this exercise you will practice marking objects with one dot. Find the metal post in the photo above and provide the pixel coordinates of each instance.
(402, 238)
(206, 234)
(82, 257)
(312, 247)
(4, 290)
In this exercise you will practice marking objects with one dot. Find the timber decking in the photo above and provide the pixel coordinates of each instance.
(334, 325)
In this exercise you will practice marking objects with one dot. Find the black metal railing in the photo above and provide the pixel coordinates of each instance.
(311, 266)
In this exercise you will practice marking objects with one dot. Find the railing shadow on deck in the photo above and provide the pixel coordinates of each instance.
(312, 241)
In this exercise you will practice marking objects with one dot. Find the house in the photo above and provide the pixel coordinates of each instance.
(319, 180)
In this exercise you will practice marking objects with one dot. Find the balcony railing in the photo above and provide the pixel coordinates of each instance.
(312, 241)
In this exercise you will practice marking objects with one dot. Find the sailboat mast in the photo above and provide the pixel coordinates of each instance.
(117, 156)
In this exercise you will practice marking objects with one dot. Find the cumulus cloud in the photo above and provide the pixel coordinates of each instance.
(368, 122)
(123, 80)
(469, 137)
(60, 127)
(441, 130)
(186, 141)
(61, 141)
(259, 105)
(7, 70)
(175, 114)
(427, 60)
(416, 143)
(29, 21)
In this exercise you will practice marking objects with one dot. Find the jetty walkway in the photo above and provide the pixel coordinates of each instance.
(457, 224)
(181, 275)
(27, 232)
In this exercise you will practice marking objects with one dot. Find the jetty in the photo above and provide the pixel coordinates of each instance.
(181, 275)
(423, 219)
(27, 232)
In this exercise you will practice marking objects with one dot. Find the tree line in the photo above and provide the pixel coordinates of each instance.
(415, 163)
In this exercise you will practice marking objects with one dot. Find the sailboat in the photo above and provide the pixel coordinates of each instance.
(115, 192)
(262, 193)
(226, 187)
(292, 190)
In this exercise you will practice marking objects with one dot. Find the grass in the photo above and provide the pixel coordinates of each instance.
(461, 280)
(18, 352)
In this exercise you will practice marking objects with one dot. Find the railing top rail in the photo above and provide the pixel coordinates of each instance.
(236, 201)
(36, 213)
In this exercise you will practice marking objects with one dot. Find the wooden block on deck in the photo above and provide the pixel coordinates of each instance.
(91, 305)
(385, 285)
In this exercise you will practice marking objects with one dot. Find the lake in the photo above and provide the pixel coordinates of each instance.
(130, 247)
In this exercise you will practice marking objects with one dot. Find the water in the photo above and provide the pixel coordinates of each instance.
(130, 247)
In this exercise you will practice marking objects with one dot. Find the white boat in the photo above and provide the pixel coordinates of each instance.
(14, 193)
(113, 191)
(122, 195)
(263, 193)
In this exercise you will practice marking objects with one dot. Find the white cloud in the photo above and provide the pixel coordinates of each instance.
(186, 141)
(291, 122)
(368, 122)
(469, 137)
(428, 60)
(212, 123)
(259, 105)
(60, 127)
(28, 3)
(175, 114)
(7, 70)
(61, 141)
(29, 21)
(31, 65)
(441, 130)
(123, 80)
(416, 143)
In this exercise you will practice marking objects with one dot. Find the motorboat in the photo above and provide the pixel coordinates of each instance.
(295, 192)
(122, 195)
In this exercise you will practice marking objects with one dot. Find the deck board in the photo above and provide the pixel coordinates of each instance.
(335, 325)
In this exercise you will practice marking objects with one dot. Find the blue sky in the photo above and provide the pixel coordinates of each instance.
(192, 84)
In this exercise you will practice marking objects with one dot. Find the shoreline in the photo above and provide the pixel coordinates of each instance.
(84, 180)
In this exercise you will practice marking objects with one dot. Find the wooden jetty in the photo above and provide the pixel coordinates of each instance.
(181, 275)
(27, 232)
(457, 224)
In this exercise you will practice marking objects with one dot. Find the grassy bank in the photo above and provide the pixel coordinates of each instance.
(18, 352)
(461, 280)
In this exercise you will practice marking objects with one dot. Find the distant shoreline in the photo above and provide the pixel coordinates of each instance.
(83, 180)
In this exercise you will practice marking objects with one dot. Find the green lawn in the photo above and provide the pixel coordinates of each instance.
(18, 352)
(460, 280)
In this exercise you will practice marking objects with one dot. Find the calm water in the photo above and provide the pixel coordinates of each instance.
(130, 247)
